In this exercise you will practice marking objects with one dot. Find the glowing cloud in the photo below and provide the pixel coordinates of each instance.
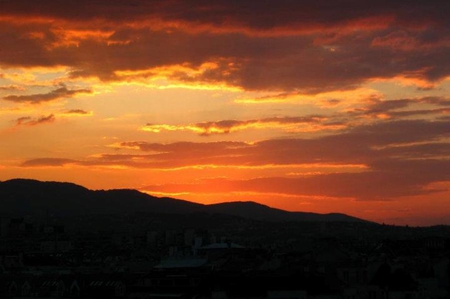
(292, 124)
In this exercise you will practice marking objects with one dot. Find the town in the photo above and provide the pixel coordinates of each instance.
(203, 255)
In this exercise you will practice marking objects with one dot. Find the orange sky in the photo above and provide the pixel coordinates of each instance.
(320, 106)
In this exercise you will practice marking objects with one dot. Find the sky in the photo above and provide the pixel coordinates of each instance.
(317, 106)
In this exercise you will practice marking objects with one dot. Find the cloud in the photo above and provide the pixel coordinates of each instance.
(56, 94)
(402, 108)
(374, 185)
(406, 41)
(292, 124)
(307, 47)
(364, 144)
(29, 121)
(396, 154)
(11, 87)
(47, 162)
(77, 112)
(391, 155)
(232, 15)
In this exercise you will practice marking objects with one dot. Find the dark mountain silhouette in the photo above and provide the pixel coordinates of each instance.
(20, 197)
(23, 196)
(249, 209)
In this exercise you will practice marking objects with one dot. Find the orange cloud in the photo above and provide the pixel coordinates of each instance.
(362, 186)
(326, 99)
(392, 154)
(184, 75)
(311, 50)
(291, 124)
(67, 38)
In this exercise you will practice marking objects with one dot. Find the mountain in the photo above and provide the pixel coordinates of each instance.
(249, 209)
(22, 197)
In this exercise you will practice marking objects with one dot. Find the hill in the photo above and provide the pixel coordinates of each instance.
(253, 210)
(21, 197)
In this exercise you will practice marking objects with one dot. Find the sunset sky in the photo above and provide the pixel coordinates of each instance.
(319, 106)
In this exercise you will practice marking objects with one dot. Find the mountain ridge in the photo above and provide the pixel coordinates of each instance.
(26, 196)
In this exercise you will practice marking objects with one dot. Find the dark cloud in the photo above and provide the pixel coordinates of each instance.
(436, 101)
(249, 14)
(311, 46)
(372, 185)
(56, 94)
(396, 154)
(402, 158)
(29, 121)
(77, 111)
(362, 144)
(403, 107)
